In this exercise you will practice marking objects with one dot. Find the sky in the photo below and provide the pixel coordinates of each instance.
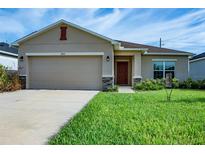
(181, 29)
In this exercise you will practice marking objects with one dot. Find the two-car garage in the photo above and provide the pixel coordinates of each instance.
(65, 56)
(65, 72)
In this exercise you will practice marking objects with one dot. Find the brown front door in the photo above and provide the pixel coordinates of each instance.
(122, 73)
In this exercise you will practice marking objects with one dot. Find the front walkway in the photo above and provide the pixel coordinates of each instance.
(32, 116)
(125, 89)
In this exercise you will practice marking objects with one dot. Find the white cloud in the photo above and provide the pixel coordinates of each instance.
(141, 26)
(9, 25)
(177, 29)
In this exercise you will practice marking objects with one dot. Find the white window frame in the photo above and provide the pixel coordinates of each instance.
(163, 63)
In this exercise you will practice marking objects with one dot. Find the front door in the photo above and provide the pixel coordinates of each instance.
(122, 73)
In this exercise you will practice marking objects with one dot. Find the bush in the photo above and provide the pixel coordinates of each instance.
(175, 83)
(8, 82)
(149, 85)
(160, 84)
(191, 84)
(15, 82)
(195, 85)
(202, 84)
(4, 79)
(113, 89)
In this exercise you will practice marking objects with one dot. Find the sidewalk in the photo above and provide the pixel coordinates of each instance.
(125, 89)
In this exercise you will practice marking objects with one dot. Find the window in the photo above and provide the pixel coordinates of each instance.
(63, 33)
(158, 70)
(162, 68)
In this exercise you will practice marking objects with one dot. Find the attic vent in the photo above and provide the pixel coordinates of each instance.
(63, 33)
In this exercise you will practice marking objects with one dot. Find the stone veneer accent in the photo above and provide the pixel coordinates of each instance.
(107, 83)
(137, 80)
(23, 81)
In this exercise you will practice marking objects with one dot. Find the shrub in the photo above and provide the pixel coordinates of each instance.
(15, 82)
(149, 85)
(195, 85)
(4, 79)
(191, 84)
(175, 83)
(113, 89)
(188, 83)
(8, 82)
(202, 84)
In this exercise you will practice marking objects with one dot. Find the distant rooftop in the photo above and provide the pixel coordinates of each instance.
(202, 55)
(5, 48)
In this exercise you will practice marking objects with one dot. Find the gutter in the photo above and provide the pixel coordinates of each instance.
(8, 54)
(162, 53)
(203, 58)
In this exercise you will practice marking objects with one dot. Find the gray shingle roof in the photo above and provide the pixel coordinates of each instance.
(5, 47)
(150, 48)
(198, 56)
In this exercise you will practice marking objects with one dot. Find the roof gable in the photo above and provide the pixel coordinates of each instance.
(47, 28)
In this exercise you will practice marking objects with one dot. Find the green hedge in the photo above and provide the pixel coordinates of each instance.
(191, 84)
(159, 84)
(149, 85)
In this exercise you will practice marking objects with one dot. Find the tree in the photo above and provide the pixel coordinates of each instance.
(168, 86)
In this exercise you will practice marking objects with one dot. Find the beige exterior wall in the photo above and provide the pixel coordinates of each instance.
(78, 41)
(181, 70)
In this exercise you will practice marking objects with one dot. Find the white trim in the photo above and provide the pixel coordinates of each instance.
(107, 76)
(159, 53)
(23, 75)
(122, 60)
(8, 53)
(137, 77)
(164, 59)
(196, 59)
(58, 23)
(66, 54)
(131, 49)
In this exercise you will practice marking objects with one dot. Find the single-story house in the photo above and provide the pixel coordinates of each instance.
(197, 67)
(8, 56)
(66, 56)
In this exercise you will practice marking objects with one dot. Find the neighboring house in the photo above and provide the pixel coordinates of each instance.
(197, 67)
(66, 56)
(8, 56)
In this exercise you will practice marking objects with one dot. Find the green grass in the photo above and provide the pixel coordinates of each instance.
(140, 118)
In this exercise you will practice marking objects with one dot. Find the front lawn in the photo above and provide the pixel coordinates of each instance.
(140, 118)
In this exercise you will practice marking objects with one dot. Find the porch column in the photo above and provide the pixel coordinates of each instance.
(137, 68)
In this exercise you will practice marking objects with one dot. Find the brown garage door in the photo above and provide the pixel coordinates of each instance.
(71, 72)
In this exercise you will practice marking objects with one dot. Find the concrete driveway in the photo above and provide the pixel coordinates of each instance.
(32, 116)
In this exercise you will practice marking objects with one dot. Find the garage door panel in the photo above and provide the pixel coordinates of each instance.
(65, 72)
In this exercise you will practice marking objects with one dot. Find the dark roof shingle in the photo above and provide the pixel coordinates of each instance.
(198, 56)
(150, 48)
(8, 50)
(5, 47)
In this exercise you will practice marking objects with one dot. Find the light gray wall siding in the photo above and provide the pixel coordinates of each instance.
(197, 70)
(78, 41)
(181, 70)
